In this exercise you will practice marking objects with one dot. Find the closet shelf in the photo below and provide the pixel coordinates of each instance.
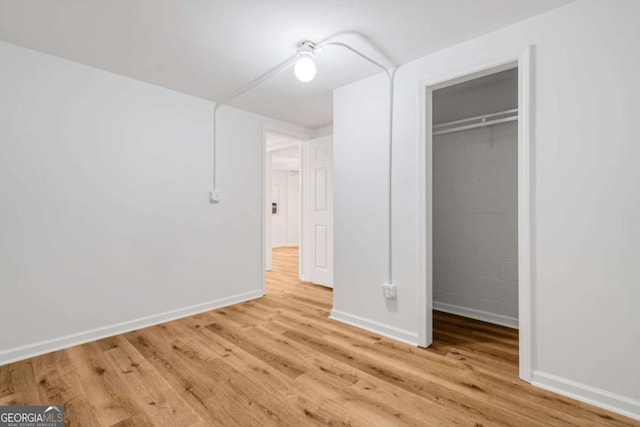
(476, 122)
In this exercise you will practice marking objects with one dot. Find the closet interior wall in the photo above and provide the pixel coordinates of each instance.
(475, 247)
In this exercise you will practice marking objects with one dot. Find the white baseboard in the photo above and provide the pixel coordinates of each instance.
(43, 347)
(584, 393)
(392, 332)
(498, 319)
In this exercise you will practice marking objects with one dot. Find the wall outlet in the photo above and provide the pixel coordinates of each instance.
(214, 196)
(389, 291)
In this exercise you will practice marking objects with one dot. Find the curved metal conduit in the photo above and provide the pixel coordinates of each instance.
(214, 196)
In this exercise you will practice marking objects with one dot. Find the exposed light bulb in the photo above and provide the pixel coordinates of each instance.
(305, 68)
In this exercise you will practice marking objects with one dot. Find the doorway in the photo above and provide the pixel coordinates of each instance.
(299, 205)
(475, 191)
(475, 204)
(282, 194)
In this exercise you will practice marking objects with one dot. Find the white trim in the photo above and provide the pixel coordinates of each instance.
(476, 71)
(397, 334)
(485, 316)
(525, 206)
(47, 346)
(584, 393)
(525, 196)
(265, 194)
(425, 216)
(305, 209)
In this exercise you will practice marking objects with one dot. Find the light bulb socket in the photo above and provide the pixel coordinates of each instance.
(307, 48)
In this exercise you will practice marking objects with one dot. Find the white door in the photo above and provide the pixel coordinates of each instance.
(319, 205)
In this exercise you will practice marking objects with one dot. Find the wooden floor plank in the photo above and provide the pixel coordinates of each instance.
(149, 389)
(280, 361)
(111, 400)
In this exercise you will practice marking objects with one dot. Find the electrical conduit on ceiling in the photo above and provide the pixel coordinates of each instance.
(308, 50)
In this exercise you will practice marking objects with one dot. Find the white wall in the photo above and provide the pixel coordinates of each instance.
(268, 223)
(105, 223)
(285, 192)
(475, 223)
(586, 321)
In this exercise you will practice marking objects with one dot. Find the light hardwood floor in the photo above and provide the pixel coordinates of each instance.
(280, 361)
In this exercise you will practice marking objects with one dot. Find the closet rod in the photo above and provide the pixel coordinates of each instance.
(481, 122)
(470, 119)
(476, 125)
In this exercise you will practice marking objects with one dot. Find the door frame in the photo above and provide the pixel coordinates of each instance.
(523, 61)
(266, 180)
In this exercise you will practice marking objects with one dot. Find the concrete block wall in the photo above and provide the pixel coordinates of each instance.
(475, 221)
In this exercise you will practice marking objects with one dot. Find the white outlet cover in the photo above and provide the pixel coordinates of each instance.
(214, 196)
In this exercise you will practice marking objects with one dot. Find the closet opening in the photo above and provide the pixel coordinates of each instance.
(475, 213)
(475, 199)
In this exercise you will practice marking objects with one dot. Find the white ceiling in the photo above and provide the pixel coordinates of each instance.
(208, 48)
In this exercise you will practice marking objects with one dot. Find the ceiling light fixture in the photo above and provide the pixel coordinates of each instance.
(305, 68)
